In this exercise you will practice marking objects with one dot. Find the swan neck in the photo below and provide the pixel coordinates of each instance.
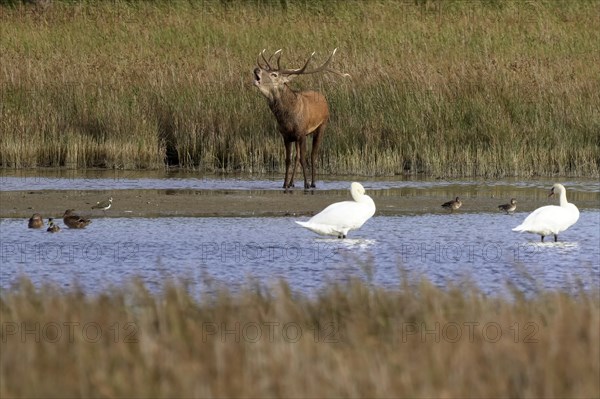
(563, 198)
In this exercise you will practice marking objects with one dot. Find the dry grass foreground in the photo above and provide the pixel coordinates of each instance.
(462, 88)
(349, 340)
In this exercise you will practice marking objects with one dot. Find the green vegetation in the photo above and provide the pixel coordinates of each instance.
(349, 340)
(461, 88)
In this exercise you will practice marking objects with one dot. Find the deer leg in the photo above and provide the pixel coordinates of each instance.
(288, 161)
(296, 162)
(302, 145)
(316, 142)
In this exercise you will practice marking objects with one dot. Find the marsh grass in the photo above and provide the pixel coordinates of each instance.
(350, 340)
(441, 88)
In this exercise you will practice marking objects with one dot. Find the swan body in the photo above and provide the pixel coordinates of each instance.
(341, 217)
(551, 219)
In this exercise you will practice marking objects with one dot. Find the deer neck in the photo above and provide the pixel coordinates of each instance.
(283, 102)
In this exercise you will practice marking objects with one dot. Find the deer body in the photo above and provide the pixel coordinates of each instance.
(298, 113)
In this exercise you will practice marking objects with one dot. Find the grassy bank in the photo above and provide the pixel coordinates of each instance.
(443, 88)
(348, 341)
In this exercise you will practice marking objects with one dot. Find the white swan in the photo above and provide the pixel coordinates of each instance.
(551, 219)
(339, 218)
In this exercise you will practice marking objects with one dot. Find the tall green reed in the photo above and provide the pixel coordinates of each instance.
(445, 89)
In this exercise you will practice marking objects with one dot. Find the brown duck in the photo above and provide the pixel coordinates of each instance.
(510, 207)
(74, 221)
(35, 221)
(452, 205)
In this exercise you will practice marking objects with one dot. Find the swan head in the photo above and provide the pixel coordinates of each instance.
(357, 191)
(357, 188)
(557, 189)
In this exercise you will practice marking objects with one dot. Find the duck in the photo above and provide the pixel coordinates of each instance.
(104, 205)
(52, 227)
(551, 219)
(339, 218)
(35, 221)
(452, 205)
(510, 207)
(74, 221)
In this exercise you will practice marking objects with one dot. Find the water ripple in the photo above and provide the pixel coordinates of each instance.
(445, 248)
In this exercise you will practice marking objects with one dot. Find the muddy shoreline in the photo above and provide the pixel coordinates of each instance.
(228, 203)
(184, 203)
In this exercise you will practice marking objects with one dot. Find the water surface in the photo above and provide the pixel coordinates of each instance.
(123, 180)
(445, 248)
(472, 245)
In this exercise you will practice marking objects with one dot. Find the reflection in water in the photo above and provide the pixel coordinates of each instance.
(478, 249)
(559, 245)
(349, 243)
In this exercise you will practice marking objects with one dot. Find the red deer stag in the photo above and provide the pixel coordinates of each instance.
(298, 113)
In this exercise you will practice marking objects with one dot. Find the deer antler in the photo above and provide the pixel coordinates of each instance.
(322, 68)
(299, 71)
(269, 67)
(278, 52)
(262, 54)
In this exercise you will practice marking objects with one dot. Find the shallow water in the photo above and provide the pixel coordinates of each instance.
(445, 248)
(123, 180)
